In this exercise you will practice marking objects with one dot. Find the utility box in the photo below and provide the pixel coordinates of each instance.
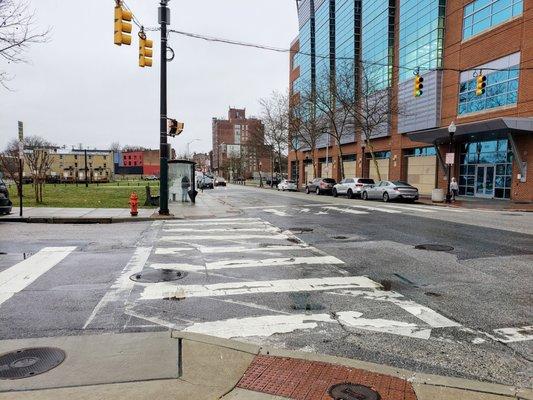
(181, 181)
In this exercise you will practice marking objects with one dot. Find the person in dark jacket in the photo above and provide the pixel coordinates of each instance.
(185, 185)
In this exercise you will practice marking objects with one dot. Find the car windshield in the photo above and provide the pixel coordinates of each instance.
(290, 181)
(366, 181)
(329, 180)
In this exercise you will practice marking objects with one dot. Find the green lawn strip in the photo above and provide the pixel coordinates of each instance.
(72, 196)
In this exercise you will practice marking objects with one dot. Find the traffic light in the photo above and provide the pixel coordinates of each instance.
(122, 29)
(480, 85)
(175, 127)
(417, 90)
(145, 51)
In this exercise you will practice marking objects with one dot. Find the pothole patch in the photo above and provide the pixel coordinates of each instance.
(158, 275)
(25, 363)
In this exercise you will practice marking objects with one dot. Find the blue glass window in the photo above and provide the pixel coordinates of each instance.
(481, 15)
(501, 90)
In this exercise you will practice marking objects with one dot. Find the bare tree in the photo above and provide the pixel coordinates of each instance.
(17, 33)
(275, 117)
(331, 109)
(9, 163)
(39, 160)
(114, 147)
(133, 148)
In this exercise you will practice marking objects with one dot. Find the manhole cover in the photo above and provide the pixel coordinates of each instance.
(2, 253)
(29, 362)
(158, 275)
(350, 391)
(434, 247)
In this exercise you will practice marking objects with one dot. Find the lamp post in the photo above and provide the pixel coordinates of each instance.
(362, 160)
(451, 130)
(188, 144)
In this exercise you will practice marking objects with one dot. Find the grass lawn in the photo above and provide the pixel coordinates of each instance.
(110, 195)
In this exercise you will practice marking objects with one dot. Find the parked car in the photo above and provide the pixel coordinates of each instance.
(272, 181)
(219, 181)
(391, 190)
(5, 204)
(151, 178)
(205, 182)
(320, 185)
(286, 184)
(351, 187)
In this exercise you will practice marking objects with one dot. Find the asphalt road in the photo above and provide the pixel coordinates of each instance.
(297, 271)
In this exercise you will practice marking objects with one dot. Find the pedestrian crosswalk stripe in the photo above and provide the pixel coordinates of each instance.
(161, 290)
(21, 275)
(376, 209)
(211, 220)
(232, 249)
(266, 262)
(276, 212)
(345, 210)
(409, 208)
(182, 238)
(216, 223)
(230, 229)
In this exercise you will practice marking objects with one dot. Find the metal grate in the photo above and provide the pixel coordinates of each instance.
(350, 391)
(158, 275)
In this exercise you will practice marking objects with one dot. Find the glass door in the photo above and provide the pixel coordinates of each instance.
(484, 181)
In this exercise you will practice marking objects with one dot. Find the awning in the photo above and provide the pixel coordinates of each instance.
(490, 129)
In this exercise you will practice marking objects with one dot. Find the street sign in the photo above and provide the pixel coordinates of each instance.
(21, 131)
(450, 158)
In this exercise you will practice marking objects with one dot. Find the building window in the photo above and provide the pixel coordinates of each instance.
(381, 154)
(501, 90)
(481, 15)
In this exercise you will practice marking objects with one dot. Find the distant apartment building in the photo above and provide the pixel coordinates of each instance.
(139, 162)
(450, 44)
(203, 163)
(239, 140)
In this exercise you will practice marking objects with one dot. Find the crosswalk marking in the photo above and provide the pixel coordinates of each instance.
(409, 208)
(512, 335)
(225, 237)
(215, 223)
(276, 212)
(232, 249)
(267, 262)
(211, 230)
(364, 207)
(122, 287)
(160, 290)
(212, 220)
(345, 210)
(21, 275)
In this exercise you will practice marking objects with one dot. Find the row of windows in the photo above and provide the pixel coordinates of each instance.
(501, 90)
(481, 15)
(421, 152)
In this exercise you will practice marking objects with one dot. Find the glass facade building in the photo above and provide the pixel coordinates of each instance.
(377, 47)
(325, 39)
(421, 40)
(481, 15)
(304, 58)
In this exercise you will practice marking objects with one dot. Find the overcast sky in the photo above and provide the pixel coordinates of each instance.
(81, 88)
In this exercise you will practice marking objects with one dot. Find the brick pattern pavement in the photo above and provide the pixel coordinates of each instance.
(310, 380)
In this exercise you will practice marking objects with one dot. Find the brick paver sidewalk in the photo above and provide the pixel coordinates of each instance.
(311, 380)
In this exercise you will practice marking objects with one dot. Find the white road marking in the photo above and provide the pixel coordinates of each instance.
(258, 326)
(156, 291)
(23, 274)
(511, 335)
(276, 212)
(231, 249)
(188, 222)
(266, 262)
(305, 210)
(211, 230)
(183, 238)
(376, 209)
(121, 289)
(352, 319)
(216, 223)
(345, 210)
(410, 208)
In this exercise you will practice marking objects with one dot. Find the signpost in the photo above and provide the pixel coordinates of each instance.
(450, 158)
(21, 157)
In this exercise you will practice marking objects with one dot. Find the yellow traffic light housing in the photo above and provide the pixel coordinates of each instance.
(417, 90)
(145, 50)
(481, 82)
(122, 29)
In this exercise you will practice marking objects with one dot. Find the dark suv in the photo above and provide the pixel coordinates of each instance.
(5, 203)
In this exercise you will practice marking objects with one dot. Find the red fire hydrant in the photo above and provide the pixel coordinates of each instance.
(134, 203)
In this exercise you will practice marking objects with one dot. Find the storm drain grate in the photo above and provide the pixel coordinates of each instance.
(158, 275)
(26, 363)
(350, 391)
(434, 247)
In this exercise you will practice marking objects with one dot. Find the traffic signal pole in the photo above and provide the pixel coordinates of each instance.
(164, 17)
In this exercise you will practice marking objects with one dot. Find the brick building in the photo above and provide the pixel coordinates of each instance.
(450, 43)
(239, 140)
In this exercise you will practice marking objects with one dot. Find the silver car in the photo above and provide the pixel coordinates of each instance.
(351, 187)
(390, 190)
(286, 184)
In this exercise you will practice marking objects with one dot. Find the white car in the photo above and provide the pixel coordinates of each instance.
(351, 187)
(285, 184)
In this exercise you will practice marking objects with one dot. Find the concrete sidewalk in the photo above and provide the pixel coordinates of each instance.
(147, 366)
(206, 207)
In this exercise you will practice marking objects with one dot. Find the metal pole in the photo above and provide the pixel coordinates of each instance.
(163, 147)
(86, 176)
(448, 192)
(20, 184)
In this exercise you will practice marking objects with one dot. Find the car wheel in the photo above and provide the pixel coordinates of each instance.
(386, 197)
(306, 190)
(350, 194)
(317, 191)
(365, 196)
(335, 194)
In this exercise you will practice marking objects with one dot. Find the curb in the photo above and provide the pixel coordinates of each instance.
(61, 220)
(412, 377)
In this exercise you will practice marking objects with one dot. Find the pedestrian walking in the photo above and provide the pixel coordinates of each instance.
(454, 187)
